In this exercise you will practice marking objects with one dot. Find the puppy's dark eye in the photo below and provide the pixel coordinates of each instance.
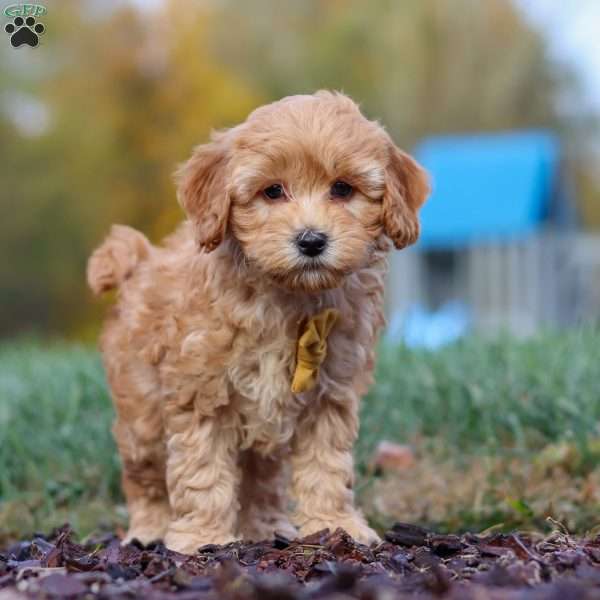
(341, 189)
(273, 192)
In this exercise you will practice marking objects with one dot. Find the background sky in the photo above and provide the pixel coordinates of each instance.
(573, 33)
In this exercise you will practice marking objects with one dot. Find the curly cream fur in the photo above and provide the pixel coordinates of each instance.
(200, 349)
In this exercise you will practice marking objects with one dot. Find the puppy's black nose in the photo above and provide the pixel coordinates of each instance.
(311, 243)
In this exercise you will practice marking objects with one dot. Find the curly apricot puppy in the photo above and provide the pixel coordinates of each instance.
(290, 213)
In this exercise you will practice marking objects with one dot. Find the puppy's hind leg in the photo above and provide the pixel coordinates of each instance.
(264, 501)
(148, 507)
(143, 481)
(138, 431)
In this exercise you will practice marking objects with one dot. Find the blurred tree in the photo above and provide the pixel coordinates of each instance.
(128, 95)
(421, 66)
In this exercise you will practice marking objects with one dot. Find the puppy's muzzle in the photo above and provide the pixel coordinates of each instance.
(311, 243)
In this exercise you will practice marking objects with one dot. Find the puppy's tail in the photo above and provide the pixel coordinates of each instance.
(116, 258)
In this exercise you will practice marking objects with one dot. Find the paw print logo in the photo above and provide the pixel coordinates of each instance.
(24, 31)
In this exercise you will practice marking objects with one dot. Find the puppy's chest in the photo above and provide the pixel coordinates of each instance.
(261, 376)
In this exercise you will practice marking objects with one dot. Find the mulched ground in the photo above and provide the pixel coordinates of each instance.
(411, 562)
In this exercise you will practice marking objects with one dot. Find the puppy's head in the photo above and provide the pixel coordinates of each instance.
(307, 186)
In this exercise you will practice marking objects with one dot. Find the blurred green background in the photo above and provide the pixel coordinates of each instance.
(94, 121)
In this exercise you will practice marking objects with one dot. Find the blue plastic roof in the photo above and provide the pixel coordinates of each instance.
(486, 186)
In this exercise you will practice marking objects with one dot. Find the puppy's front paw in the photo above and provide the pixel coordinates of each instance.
(355, 525)
(361, 532)
(188, 543)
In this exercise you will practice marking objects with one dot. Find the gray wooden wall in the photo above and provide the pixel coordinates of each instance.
(547, 280)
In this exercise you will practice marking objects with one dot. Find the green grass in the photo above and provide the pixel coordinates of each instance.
(481, 414)
(506, 433)
(57, 457)
(480, 395)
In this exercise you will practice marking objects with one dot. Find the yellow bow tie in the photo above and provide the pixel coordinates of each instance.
(312, 349)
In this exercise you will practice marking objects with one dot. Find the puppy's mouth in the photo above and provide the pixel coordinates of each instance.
(312, 275)
(313, 265)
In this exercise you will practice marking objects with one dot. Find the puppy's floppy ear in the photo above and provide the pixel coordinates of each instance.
(202, 190)
(406, 189)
